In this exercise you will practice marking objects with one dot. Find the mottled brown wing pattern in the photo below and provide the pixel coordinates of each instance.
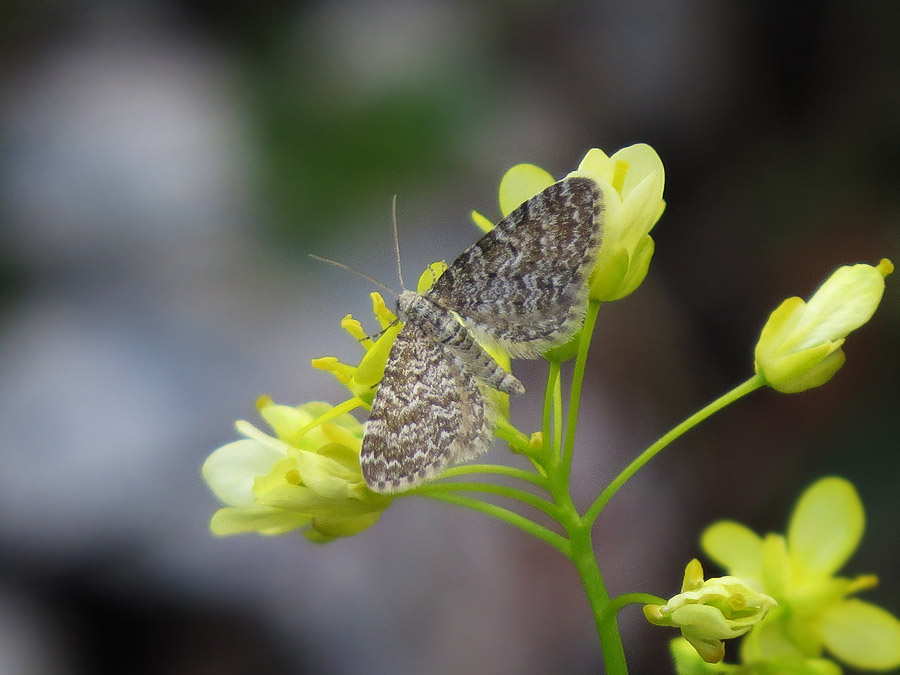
(428, 413)
(523, 285)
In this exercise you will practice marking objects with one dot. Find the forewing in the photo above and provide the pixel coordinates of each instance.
(523, 285)
(428, 413)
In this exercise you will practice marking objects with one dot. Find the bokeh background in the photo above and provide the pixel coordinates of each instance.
(166, 167)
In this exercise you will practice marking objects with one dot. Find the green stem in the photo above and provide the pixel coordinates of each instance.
(585, 561)
(518, 442)
(584, 345)
(509, 471)
(546, 422)
(616, 604)
(557, 420)
(743, 389)
(555, 540)
(489, 488)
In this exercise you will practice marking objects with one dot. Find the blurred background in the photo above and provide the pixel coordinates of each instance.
(166, 167)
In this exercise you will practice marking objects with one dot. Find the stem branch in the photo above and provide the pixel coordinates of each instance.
(555, 540)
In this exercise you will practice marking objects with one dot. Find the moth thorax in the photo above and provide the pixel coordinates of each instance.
(411, 304)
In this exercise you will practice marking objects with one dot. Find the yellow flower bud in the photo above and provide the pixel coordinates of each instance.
(800, 345)
(710, 611)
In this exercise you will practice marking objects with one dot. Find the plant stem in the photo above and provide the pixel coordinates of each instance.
(518, 442)
(743, 389)
(584, 345)
(557, 421)
(585, 561)
(489, 488)
(499, 469)
(547, 419)
(616, 604)
(550, 537)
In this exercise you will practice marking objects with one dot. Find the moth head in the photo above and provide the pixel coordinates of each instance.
(406, 302)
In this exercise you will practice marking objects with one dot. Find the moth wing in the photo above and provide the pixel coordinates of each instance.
(428, 413)
(523, 285)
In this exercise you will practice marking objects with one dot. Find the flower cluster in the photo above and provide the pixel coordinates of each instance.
(781, 593)
(710, 611)
(817, 613)
(305, 477)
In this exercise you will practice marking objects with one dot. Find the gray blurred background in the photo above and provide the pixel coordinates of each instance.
(166, 167)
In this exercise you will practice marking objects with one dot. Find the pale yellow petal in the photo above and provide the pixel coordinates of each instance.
(230, 471)
(736, 547)
(826, 526)
(262, 519)
(862, 635)
(521, 183)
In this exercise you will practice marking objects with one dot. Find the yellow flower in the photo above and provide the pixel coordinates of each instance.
(710, 611)
(815, 612)
(800, 345)
(362, 379)
(632, 181)
(305, 477)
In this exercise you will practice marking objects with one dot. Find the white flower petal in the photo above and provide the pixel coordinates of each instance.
(231, 470)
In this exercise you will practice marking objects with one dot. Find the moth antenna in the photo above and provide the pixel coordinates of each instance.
(357, 272)
(384, 330)
(397, 242)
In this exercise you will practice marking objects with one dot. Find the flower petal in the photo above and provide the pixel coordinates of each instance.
(826, 526)
(483, 223)
(768, 641)
(285, 420)
(736, 547)
(778, 573)
(689, 662)
(371, 367)
(711, 651)
(846, 301)
(806, 370)
(640, 209)
(327, 477)
(262, 519)
(598, 163)
(231, 470)
(643, 162)
(300, 499)
(340, 526)
(431, 274)
(706, 622)
(521, 183)
(385, 316)
(638, 266)
(863, 635)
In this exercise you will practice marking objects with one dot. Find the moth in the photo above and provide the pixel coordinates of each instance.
(522, 288)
